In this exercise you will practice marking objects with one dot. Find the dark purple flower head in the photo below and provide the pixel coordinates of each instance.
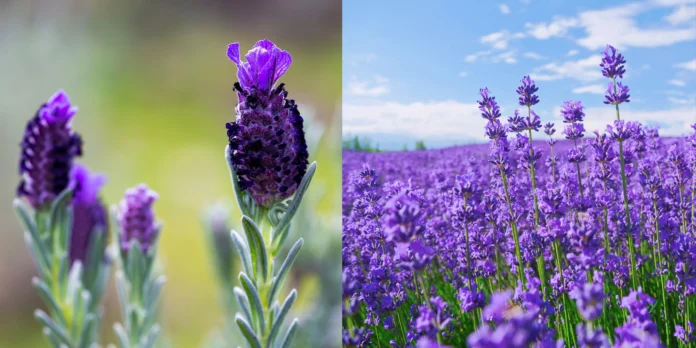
(488, 106)
(495, 130)
(532, 122)
(572, 112)
(516, 123)
(89, 213)
(621, 130)
(265, 64)
(48, 149)
(612, 63)
(267, 142)
(616, 94)
(526, 92)
(591, 337)
(137, 219)
(470, 299)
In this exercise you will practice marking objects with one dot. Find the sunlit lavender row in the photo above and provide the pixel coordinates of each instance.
(527, 241)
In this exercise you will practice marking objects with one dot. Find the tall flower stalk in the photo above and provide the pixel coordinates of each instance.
(137, 284)
(65, 225)
(267, 157)
(617, 93)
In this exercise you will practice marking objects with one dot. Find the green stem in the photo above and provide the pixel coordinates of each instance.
(513, 225)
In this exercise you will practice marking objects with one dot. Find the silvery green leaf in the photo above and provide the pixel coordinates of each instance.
(281, 316)
(121, 336)
(30, 228)
(295, 203)
(89, 324)
(59, 213)
(55, 342)
(95, 257)
(255, 301)
(152, 295)
(259, 257)
(48, 298)
(54, 327)
(243, 251)
(248, 333)
(122, 292)
(243, 302)
(287, 339)
(235, 183)
(151, 337)
(136, 268)
(279, 279)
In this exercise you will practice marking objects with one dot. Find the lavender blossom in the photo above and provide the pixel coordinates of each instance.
(526, 92)
(89, 212)
(137, 219)
(267, 145)
(48, 149)
(612, 63)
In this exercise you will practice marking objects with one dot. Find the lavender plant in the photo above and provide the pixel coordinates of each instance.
(137, 286)
(65, 225)
(267, 157)
(505, 245)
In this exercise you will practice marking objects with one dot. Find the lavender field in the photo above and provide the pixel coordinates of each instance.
(546, 236)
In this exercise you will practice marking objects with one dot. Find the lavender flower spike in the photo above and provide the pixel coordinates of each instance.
(136, 218)
(267, 145)
(526, 92)
(89, 213)
(138, 288)
(48, 148)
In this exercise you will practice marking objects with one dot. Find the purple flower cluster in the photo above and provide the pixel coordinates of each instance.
(572, 230)
(48, 149)
(89, 212)
(266, 142)
(137, 219)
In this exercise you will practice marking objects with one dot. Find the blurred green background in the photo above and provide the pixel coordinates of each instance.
(154, 89)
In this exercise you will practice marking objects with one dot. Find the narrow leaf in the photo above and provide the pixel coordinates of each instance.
(242, 251)
(281, 316)
(285, 343)
(56, 329)
(48, 298)
(248, 333)
(296, 200)
(279, 279)
(253, 296)
(243, 303)
(256, 246)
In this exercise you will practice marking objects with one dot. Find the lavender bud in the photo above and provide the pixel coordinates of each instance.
(89, 212)
(137, 219)
(266, 142)
(48, 148)
(526, 92)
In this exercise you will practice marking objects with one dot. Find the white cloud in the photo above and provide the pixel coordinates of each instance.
(682, 14)
(499, 40)
(591, 89)
(504, 9)
(678, 83)
(441, 119)
(534, 55)
(463, 74)
(507, 57)
(582, 70)
(476, 56)
(682, 101)
(572, 53)
(617, 25)
(377, 87)
(558, 27)
(690, 65)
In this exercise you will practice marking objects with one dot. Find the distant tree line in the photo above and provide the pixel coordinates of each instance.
(364, 144)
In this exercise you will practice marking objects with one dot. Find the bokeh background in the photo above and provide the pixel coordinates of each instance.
(154, 89)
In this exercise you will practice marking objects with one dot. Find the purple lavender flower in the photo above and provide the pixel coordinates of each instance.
(89, 212)
(137, 219)
(48, 149)
(427, 342)
(488, 106)
(574, 131)
(402, 220)
(470, 299)
(612, 63)
(572, 111)
(526, 92)
(616, 94)
(590, 299)
(548, 129)
(266, 143)
(591, 337)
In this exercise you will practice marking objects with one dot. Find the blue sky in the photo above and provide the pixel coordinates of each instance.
(413, 71)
